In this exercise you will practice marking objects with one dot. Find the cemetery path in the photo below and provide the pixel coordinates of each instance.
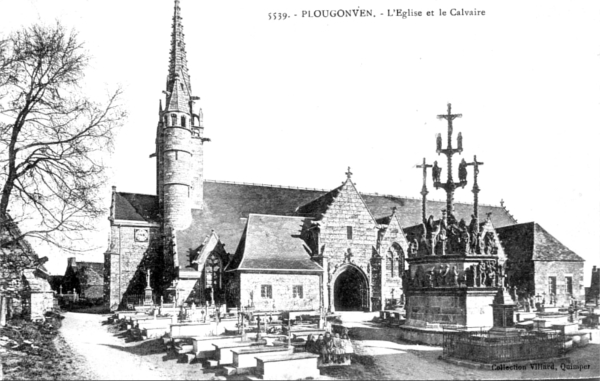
(108, 355)
(102, 355)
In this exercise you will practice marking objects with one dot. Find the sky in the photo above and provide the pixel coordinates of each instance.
(295, 102)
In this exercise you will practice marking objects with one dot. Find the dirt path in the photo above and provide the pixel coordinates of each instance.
(107, 357)
(100, 354)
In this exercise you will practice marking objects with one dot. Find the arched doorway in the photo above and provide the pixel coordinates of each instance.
(351, 291)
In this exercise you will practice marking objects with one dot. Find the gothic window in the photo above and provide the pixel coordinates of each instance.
(183, 121)
(212, 272)
(266, 291)
(389, 265)
(349, 232)
(298, 292)
(400, 257)
(173, 120)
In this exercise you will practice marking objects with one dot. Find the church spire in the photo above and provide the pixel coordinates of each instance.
(178, 81)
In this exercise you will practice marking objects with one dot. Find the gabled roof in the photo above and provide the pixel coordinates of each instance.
(226, 210)
(318, 207)
(275, 243)
(529, 241)
(228, 205)
(96, 266)
(136, 207)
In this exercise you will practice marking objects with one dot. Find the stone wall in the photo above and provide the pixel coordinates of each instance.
(348, 211)
(39, 303)
(126, 259)
(282, 291)
(177, 168)
(197, 172)
(471, 308)
(560, 270)
(393, 246)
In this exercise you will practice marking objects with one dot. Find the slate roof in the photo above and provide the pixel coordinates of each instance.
(274, 243)
(529, 241)
(96, 266)
(136, 207)
(228, 205)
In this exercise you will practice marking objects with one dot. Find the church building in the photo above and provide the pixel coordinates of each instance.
(267, 247)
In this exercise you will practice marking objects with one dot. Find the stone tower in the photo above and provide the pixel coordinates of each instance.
(179, 140)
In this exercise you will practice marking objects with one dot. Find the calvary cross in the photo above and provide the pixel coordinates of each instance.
(424, 166)
(475, 165)
(449, 117)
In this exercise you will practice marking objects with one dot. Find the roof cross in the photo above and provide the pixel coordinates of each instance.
(349, 174)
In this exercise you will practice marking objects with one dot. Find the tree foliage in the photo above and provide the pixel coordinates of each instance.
(52, 137)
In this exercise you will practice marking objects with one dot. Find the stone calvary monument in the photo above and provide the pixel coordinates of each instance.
(456, 269)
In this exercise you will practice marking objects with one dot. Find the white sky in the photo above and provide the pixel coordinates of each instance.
(295, 102)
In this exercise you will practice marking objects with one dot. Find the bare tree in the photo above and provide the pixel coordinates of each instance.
(52, 137)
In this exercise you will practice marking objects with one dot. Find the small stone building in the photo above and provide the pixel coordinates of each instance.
(539, 265)
(592, 293)
(85, 278)
(24, 287)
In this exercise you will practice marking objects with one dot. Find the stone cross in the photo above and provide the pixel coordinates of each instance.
(349, 174)
(449, 186)
(449, 117)
(476, 188)
(424, 191)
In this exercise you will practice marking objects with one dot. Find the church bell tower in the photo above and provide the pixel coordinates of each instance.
(179, 139)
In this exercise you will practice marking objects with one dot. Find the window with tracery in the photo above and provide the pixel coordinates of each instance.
(212, 272)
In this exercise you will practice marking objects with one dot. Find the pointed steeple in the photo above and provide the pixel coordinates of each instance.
(178, 81)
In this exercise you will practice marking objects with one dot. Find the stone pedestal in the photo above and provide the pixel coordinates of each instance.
(148, 297)
(504, 312)
(465, 307)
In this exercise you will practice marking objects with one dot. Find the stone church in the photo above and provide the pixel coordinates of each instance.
(269, 247)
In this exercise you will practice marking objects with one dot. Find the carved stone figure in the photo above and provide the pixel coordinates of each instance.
(413, 246)
(481, 274)
(490, 243)
(490, 275)
(470, 276)
(429, 279)
(444, 271)
(436, 276)
(473, 234)
(405, 280)
(348, 256)
(419, 278)
(462, 171)
(465, 244)
(451, 277)
(438, 143)
(436, 171)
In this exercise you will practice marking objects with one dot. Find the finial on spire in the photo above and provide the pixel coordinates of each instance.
(349, 174)
(178, 79)
(502, 203)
